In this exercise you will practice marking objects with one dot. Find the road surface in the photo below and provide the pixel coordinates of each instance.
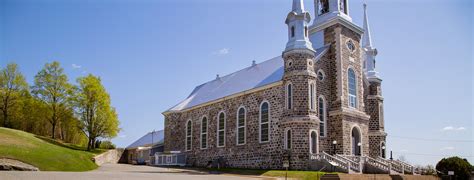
(119, 172)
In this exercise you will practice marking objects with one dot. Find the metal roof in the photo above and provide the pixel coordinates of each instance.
(146, 140)
(255, 76)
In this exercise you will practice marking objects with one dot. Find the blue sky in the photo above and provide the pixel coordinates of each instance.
(151, 54)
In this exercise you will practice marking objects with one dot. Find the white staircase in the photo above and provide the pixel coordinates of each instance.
(355, 164)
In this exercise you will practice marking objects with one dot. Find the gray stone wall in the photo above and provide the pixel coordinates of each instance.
(341, 119)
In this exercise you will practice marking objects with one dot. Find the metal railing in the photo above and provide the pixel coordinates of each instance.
(170, 159)
(332, 160)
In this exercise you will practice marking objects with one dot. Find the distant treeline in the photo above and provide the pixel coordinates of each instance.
(75, 113)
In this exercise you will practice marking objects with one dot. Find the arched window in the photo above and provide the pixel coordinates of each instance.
(311, 96)
(221, 130)
(313, 142)
(288, 139)
(343, 6)
(241, 123)
(322, 116)
(352, 88)
(189, 131)
(204, 133)
(323, 6)
(382, 149)
(264, 122)
(292, 31)
(289, 96)
(381, 123)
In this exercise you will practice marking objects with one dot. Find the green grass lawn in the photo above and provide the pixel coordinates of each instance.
(304, 175)
(44, 153)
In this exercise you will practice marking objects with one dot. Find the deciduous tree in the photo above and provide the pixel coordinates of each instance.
(98, 117)
(52, 87)
(12, 86)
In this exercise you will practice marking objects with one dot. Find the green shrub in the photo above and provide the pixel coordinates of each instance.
(106, 145)
(461, 167)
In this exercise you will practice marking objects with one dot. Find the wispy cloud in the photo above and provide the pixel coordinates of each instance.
(403, 150)
(461, 128)
(222, 51)
(122, 136)
(75, 66)
(449, 148)
(451, 128)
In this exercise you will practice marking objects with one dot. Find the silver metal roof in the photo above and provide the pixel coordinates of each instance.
(146, 140)
(255, 76)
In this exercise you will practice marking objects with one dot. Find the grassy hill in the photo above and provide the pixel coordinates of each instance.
(44, 153)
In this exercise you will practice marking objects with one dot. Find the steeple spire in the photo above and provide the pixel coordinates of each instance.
(298, 31)
(366, 41)
(298, 6)
(369, 51)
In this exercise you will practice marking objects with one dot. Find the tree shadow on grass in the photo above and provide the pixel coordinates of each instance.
(69, 146)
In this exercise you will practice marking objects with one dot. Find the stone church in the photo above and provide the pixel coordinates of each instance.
(319, 102)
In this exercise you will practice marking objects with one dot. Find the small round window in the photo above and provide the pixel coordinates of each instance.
(290, 63)
(310, 63)
(321, 75)
(350, 46)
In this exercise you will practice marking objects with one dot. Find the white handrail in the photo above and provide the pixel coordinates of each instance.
(353, 165)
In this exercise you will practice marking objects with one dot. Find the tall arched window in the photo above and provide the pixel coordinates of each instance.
(288, 139)
(352, 88)
(311, 96)
(264, 122)
(289, 96)
(323, 6)
(221, 130)
(313, 142)
(189, 131)
(382, 149)
(343, 6)
(381, 123)
(241, 123)
(204, 133)
(322, 116)
(292, 31)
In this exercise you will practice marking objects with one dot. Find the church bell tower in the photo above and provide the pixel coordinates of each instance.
(299, 120)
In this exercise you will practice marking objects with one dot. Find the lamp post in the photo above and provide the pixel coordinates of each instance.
(334, 147)
(391, 157)
(152, 134)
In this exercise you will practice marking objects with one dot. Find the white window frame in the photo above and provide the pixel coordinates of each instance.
(189, 147)
(286, 139)
(311, 142)
(312, 95)
(245, 126)
(351, 97)
(324, 120)
(289, 96)
(206, 133)
(260, 122)
(218, 130)
(323, 73)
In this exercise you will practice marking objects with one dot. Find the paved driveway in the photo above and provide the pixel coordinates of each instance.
(119, 172)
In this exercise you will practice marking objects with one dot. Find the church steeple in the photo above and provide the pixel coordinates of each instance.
(369, 51)
(366, 41)
(297, 21)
